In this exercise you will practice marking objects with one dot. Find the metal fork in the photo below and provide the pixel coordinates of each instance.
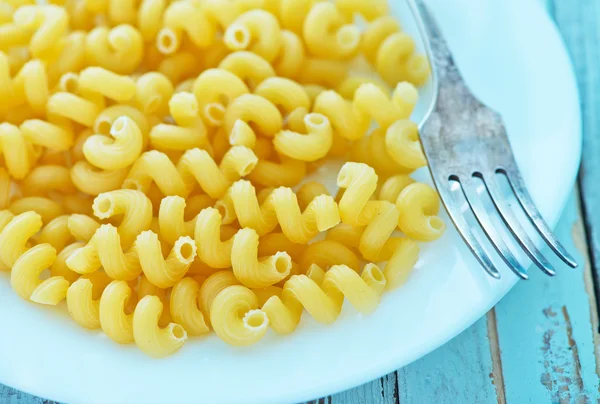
(467, 149)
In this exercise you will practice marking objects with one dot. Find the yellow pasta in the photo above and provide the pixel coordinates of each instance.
(281, 207)
(17, 151)
(254, 109)
(372, 151)
(327, 36)
(46, 207)
(114, 86)
(400, 264)
(291, 55)
(236, 318)
(82, 227)
(73, 107)
(153, 92)
(359, 181)
(251, 68)
(368, 10)
(159, 271)
(257, 31)
(286, 172)
(402, 142)
(94, 181)
(119, 152)
(189, 133)
(47, 134)
(323, 301)
(5, 189)
(249, 270)
(292, 13)
(208, 236)
(326, 253)
(24, 277)
(31, 85)
(148, 336)
(119, 49)
(56, 233)
(184, 17)
(283, 93)
(49, 22)
(185, 307)
(306, 147)
(392, 187)
(418, 205)
(322, 72)
(113, 316)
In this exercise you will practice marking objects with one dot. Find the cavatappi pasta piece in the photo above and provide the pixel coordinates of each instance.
(419, 205)
(249, 270)
(185, 307)
(5, 218)
(24, 277)
(236, 318)
(71, 57)
(171, 219)
(197, 167)
(212, 87)
(286, 172)
(392, 187)
(135, 207)
(47, 178)
(292, 13)
(208, 236)
(180, 66)
(82, 227)
(49, 22)
(149, 16)
(47, 134)
(351, 120)
(283, 93)
(148, 336)
(281, 207)
(402, 142)
(254, 109)
(118, 151)
(189, 132)
(212, 286)
(93, 181)
(368, 10)
(115, 320)
(184, 17)
(16, 150)
(348, 87)
(30, 86)
(111, 85)
(306, 147)
(15, 235)
(326, 253)
(56, 233)
(47, 208)
(104, 250)
(309, 191)
(6, 185)
(327, 35)
(273, 242)
(360, 182)
(323, 301)
(373, 151)
(401, 263)
(248, 66)
(83, 299)
(291, 55)
(321, 73)
(155, 167)
(392, 52)
(106, 119)
(257, 31)
(153, 92)
(119, 49)
(159, 271)
(73, 107)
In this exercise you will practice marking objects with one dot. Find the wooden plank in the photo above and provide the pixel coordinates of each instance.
(380, 391)
(459, 372)
(580, 27)
(12, 396)
(546, 332)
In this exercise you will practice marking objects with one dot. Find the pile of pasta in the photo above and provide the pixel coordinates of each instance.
(154, 156)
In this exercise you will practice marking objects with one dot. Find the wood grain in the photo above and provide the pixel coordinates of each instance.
(545, 332)
(579, 25)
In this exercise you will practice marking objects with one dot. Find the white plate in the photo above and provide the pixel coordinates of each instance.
(514, 60)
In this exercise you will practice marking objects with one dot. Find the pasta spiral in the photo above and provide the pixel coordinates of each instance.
(322, 294)
(280, 207)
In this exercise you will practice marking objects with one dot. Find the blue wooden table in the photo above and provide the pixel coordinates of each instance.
(541, 343)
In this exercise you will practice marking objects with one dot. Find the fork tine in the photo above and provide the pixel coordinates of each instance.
(518, 186)
(508, 216)
(483, 217)
(454, 211)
